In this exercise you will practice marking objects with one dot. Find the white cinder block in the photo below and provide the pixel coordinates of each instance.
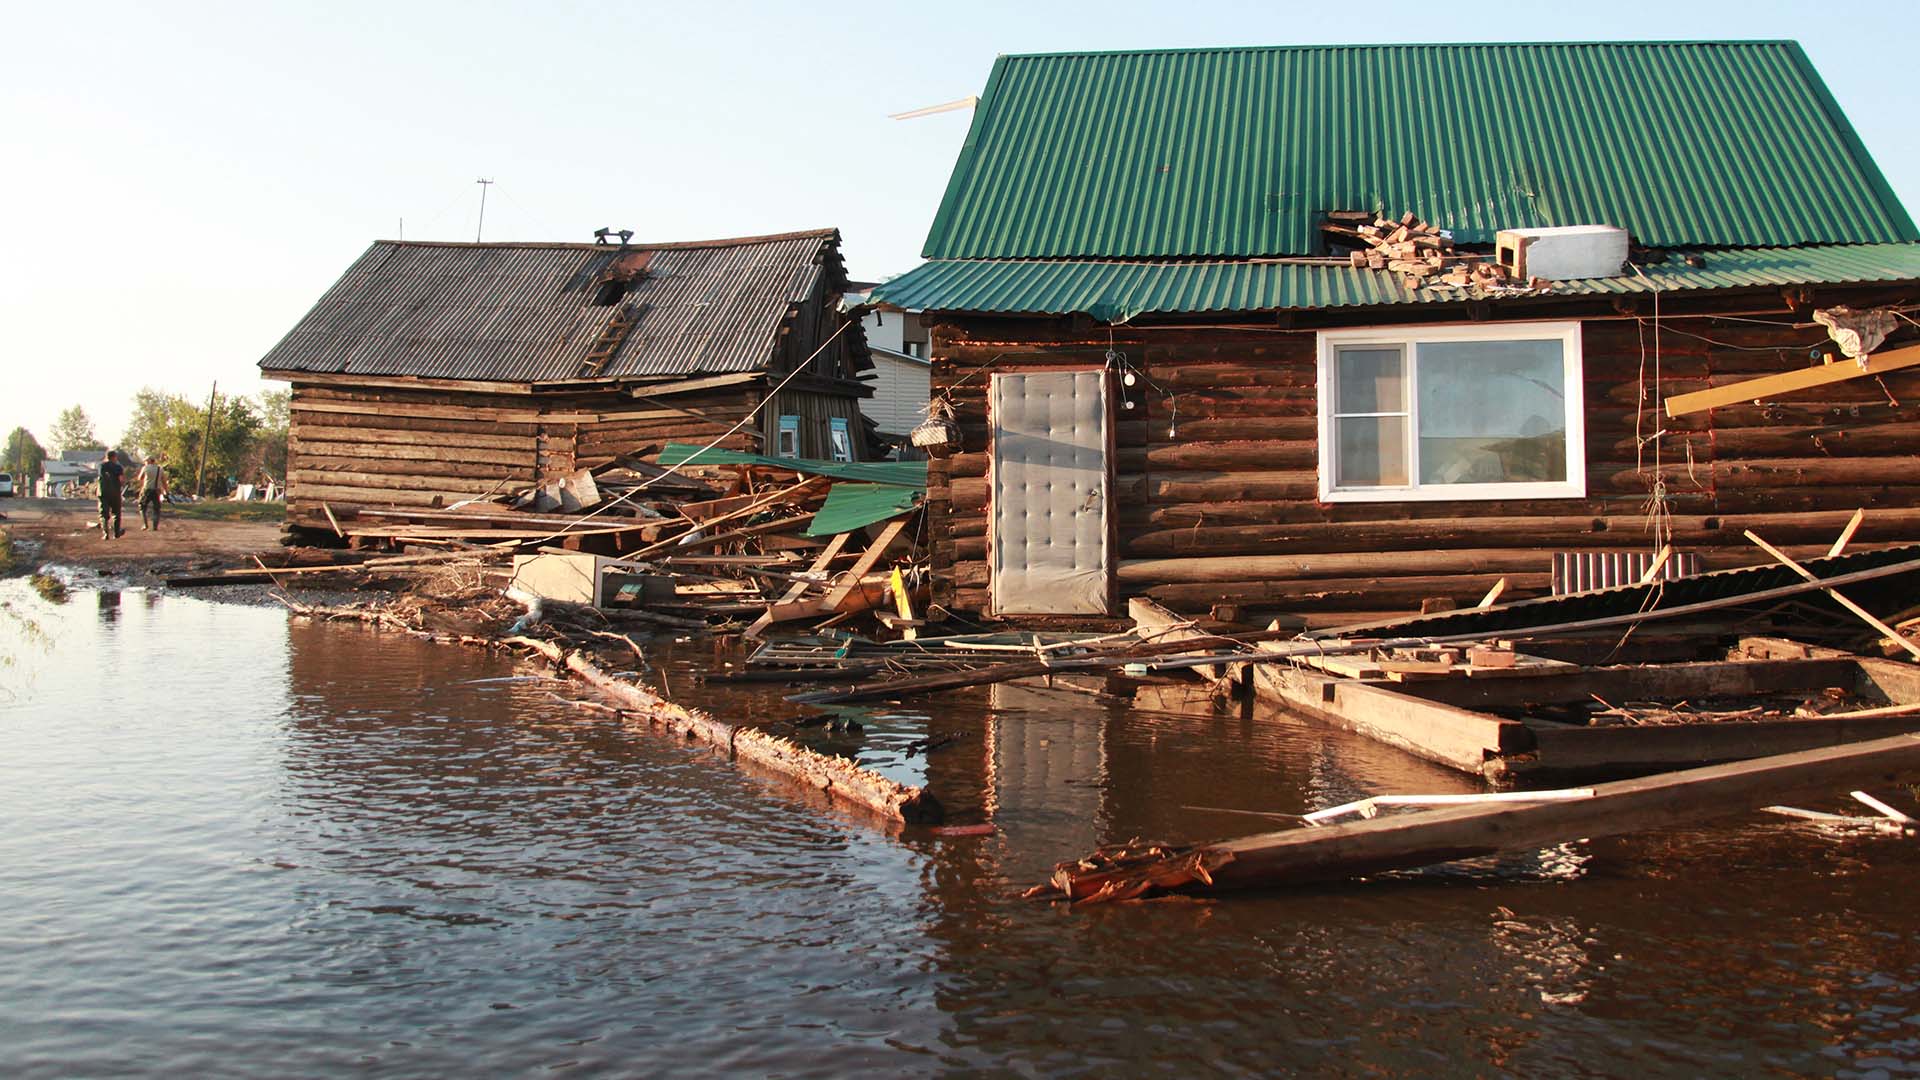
(1563, 253)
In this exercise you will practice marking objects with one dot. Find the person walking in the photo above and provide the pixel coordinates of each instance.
(153, 488)
(113, 478)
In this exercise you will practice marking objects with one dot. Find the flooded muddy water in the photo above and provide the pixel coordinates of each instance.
(235, 845)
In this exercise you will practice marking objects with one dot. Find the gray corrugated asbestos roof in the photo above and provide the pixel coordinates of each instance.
(525, 312)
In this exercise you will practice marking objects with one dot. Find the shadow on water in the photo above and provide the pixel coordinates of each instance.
(238, 845)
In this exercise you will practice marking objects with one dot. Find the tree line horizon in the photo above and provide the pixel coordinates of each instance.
(245, 443)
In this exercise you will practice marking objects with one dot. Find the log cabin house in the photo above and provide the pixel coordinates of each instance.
(1173, 379)
(435, 372)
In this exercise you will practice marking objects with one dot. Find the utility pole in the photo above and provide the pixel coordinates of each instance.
(483, 208)
(206, 437)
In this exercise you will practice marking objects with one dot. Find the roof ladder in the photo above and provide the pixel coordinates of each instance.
(611, 338)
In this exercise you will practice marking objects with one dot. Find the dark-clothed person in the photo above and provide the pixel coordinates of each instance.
(113, 477)
(153, 488)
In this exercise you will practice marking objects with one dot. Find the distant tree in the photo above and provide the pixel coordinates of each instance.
(73, 430)
(268, 454)
(171, 428)
(147, 431)
(24, 456)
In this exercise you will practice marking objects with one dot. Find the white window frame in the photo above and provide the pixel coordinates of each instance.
(780, 448)
(1408, 339)
(839, 439)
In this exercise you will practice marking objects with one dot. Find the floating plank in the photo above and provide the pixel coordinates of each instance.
(1307, 855)
(1788, 382)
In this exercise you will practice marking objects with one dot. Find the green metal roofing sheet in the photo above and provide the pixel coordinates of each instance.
(1118, 291)
(911, 474)
(856, 506)
(1236, 151)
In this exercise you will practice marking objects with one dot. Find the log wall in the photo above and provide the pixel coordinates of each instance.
(1217, 470)
(351, 445)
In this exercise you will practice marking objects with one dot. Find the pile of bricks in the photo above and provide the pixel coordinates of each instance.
(1421, 252)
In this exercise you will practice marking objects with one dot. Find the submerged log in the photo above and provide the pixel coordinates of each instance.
(838, 777)
(1309, 854)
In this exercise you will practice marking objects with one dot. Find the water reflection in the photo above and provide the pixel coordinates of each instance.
(315, 849)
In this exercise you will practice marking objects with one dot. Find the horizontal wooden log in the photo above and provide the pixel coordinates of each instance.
(305, 421)
(303, 498)
(301, 462)
(429, 441)
(1814, 472)
(304, 449)
(381, 482)
(1352, 594)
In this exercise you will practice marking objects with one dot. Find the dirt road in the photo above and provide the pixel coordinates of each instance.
(67, 531)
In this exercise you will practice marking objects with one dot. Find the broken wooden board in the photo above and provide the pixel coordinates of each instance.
(1155, 623)
(1788, 382)
(1451, 722)
(1407, 841)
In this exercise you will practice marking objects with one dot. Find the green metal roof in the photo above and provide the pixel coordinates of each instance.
(911, 474)
(856, 506)
(1234, 152)
(1118, 291)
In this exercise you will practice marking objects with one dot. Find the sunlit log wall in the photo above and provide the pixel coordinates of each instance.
(356, 445)
(1217, 464)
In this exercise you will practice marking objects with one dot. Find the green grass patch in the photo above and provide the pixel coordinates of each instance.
(6, 553)
(50, 588)
(225, 510)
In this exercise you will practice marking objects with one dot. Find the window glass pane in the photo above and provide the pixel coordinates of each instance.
(1372, 379)
(1373, 451)
(1492, 412)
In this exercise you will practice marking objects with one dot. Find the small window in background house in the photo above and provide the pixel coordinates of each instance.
(789, 442)
(839, 443)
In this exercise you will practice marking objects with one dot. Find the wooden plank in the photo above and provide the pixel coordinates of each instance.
(1451, 736)
(1627, 750)
(1866, 616)
(799, 588)
(869, 558)
(1423, 838)
(683, 386)
(1846, 534)
(1771, 386)
(388, 436)
(331, 520)
(787, 494)
(1651, 682)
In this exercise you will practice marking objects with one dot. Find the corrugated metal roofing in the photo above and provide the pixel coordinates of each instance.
(1620, 600)
(526, 312)
(1118, 291)
(1234, 152)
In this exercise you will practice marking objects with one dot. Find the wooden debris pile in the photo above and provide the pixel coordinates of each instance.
(579, 643)
(1423, 254)
(1129, 871)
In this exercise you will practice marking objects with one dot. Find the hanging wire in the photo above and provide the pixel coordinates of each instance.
(1657, 510)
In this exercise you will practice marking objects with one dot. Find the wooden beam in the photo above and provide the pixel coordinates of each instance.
(1306, 855)
(1787, 382)
(1866, 616)
(799, 588)
(683, 386)
(1846, 534)
(865, 563)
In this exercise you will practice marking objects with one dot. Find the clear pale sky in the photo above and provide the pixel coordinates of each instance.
(181, 181)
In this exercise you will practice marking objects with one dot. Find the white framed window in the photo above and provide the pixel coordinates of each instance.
(839, 442)
(789, 444)
(1452, 412)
